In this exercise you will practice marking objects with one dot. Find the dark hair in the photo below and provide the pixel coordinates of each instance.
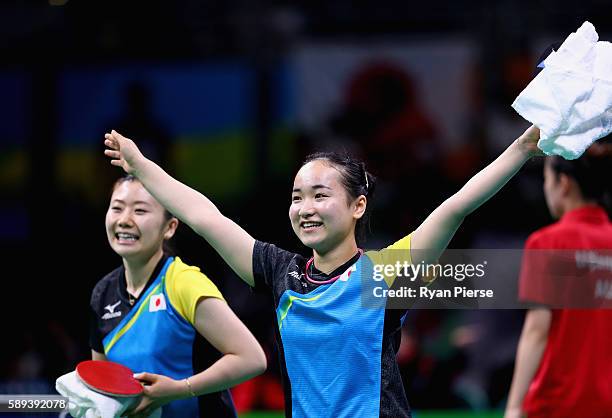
(356, 181)
(168, 247)
(591, 171)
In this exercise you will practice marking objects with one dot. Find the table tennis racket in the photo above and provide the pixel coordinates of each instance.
(109, 378)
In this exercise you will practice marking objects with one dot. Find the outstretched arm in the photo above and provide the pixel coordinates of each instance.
(243, 358)
(233, 243)
(437, 230)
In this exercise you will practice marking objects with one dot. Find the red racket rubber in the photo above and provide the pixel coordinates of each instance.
(109, 378)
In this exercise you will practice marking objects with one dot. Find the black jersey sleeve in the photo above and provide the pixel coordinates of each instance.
(98, 328)
(95, 336)
(269, 264)
(95, 303)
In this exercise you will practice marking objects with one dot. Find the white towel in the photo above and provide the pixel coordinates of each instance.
(86, 403)
(570, 100)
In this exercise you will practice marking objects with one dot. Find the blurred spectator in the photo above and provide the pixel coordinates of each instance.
(140, 121)
(382, 115)
(431, 360)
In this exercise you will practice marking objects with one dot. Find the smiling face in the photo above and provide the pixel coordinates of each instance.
(321, 213)
(136, 223)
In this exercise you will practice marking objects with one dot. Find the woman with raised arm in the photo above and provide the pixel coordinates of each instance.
(149, 314)
(337, 356)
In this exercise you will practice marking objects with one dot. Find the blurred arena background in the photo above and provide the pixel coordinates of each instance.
(229, 96)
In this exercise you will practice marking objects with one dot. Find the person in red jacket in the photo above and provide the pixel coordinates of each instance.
(564, 358)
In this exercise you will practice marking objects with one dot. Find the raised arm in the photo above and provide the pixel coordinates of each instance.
(232, 242)
(437, 230)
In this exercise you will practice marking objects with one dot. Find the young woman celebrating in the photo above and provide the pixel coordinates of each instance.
(337, 357)
(148, 313)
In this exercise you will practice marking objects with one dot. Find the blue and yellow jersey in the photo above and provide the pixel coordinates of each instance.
(337, 354)
(155, 332)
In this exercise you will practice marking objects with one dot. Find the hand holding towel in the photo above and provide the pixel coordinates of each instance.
(570, 100)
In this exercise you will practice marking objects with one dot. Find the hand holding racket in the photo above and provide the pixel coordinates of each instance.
(158, 390)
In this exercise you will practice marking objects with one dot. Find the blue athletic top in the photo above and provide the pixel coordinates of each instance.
(156, 333)
(337, 346)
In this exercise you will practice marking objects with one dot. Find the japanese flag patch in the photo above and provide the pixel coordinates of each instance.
(157, 303)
